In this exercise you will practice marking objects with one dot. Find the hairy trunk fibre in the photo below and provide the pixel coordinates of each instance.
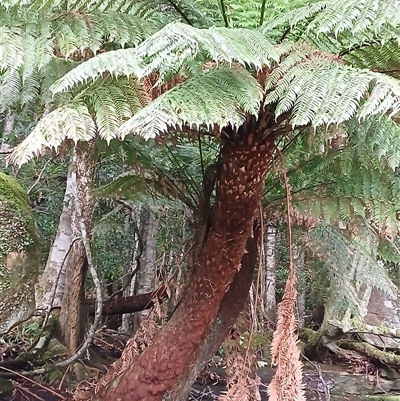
(82, 208)
(245, 158)
(232, 304)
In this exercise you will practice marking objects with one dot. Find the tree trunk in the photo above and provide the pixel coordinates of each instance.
(82, 210)
(146, 276)
(233, 303)
(245, 158)
(54, 272)
(299, 264)
(270, 267)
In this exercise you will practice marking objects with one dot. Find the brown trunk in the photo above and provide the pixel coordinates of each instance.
(232, 304)
(71, 319)
(245, 158)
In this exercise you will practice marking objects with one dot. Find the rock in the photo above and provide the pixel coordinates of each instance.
(19, 255)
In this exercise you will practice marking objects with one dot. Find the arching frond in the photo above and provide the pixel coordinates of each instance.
(380, 135)
(169, 50)
(353, 16)
(344, 256)
(52, 130)
(221, 96)
(377, 57)
(113, 103)
(322, 92)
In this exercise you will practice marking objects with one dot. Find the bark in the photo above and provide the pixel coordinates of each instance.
(270, 265)
(71, 316)
(146, 276)
(233, 303)
(130, 304)
(299, 263)
(54, 272)
(245, 158)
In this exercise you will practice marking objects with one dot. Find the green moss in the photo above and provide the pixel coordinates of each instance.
(17, 227)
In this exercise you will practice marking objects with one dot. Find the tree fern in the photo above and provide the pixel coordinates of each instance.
(169, 49)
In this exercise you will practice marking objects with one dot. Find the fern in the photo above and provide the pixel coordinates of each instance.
(352, 16)
(221, 96)
(171, 48)
(319, 91)
(65, 123)
(339, 253)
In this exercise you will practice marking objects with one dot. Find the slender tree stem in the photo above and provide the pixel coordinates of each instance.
(223, 12)
(262, 11)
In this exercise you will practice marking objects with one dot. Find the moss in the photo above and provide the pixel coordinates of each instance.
(17, 226)
(19, 254)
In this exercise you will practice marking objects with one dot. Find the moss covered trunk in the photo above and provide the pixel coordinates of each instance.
(245, 158)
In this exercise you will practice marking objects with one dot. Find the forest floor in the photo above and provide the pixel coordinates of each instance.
(322, 382)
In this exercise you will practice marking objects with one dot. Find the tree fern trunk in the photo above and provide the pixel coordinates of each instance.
(175, 350)
(73, 301)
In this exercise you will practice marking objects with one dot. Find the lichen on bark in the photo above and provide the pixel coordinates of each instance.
(19, 255)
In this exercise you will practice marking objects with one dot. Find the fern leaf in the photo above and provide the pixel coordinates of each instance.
(52, 130)
(339, 253)
(322, 92)
(221, 96)
(352, 16)
(169, 50)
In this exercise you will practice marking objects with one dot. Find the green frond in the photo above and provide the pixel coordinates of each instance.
(349, 262)
(322, 92)
(377, 57)
(353, 16)
(171, 48)
(380, 135)
(114, 102)
(52, 130)
(353, 184)
(221, 96)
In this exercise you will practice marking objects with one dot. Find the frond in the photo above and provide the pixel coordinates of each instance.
(349, 261)
(377, 57)
(352, 16)
(380, 135)
(354, 184)
(221, 96)
(81, 31)
(52, 130)
(114, 102)
(171, 48)
(323, 92)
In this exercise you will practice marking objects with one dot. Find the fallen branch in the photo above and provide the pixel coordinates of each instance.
(134, 303)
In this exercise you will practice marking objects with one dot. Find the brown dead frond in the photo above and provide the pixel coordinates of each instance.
(242, 380)
(134, 347)
(287, 382)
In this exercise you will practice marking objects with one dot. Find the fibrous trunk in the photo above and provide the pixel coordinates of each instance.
(82, 210)
(245, 157)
